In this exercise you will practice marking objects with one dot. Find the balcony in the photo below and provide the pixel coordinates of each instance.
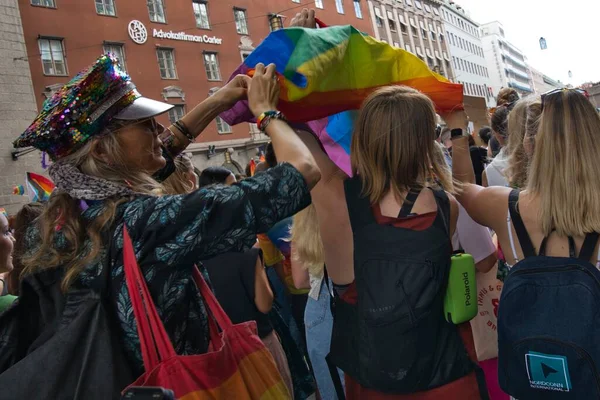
(514, 59)
(516, 72)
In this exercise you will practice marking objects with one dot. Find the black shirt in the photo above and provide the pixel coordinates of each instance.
(479, 160)
(232, 276)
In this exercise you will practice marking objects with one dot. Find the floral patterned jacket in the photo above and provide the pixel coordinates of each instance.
(173, 233)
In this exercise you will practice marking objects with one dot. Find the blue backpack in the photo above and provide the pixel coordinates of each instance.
(548, 322)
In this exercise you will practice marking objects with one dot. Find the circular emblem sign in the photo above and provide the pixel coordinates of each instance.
(138, 32)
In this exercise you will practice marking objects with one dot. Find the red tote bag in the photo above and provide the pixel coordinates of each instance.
(238, 366)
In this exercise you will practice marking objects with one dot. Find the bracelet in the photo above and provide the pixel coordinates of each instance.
(183, 129)
(265, 119)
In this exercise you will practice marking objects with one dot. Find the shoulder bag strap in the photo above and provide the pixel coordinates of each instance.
(409, 202)
(589, 244)
(522, 235)
(154, 341)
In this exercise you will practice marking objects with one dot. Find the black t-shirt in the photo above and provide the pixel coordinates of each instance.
(479, 160)
(232, 276)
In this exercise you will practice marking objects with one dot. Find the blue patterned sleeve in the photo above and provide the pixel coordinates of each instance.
(216, 219)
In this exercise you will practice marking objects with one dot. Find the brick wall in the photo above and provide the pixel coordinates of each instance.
(17, 104)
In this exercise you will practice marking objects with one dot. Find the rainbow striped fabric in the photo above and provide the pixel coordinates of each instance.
(331, 70)
(39, 188)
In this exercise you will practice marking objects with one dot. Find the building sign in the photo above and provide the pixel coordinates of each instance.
(137, 32)
(159, 33)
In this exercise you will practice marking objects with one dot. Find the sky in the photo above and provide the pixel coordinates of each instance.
(570, 27)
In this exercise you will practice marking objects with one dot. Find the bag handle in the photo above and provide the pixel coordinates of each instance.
(211, 302)
(154, 342)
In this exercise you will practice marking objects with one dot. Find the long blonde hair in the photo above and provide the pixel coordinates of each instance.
(518, 127)
(392, 145)
(179, 181)
(74, 255)
(306, 239)
(563, 175)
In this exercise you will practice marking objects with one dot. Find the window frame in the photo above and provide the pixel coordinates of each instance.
(197, 13)
(319, 4)
(114, 7)
(218, 68)
(177, 107)
(41, 5)
(64, 55)
(154, 3)
(237, 10)
(219, 122)
(172, 51)
(357, 9)
(339, 6)
(123, 59)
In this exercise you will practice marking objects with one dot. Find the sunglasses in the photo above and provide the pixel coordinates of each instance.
(149, 124)
(555, 91)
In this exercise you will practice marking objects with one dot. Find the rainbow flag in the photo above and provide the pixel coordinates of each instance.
(39, 188)
(332, 70)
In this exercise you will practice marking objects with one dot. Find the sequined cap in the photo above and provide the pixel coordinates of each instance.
(81, 109)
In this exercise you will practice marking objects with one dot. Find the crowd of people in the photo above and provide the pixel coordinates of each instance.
(344, 276)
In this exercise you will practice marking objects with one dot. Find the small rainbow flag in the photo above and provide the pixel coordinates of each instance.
(39, 188)
(3, 212)
(19, 190)
(324, 72)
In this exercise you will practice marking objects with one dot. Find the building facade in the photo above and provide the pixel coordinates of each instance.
(17, 106)
(415, 26)
(542, 83)
(178, 51)
(466, 51)
(507, 65)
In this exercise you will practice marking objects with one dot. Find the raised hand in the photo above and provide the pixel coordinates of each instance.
(263, 94)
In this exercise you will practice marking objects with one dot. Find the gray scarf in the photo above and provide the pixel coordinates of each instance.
(69, 179)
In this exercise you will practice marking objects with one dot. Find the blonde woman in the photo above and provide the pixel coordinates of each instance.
(559, 205)
(308, 271)
(184, 178)
(381, 230)
(104, 141)
(522, 126)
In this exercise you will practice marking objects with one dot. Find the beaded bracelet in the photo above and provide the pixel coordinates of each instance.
(265, 119)
(183, 129)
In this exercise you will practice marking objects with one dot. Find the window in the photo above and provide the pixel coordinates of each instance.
(156, 9)
(427, 8)
(241, 23)
(396, 44)
(295, 1)
(418, 4)
(414, 31)
(409, 2)
(357, 9)
(43, 3)
(319, 4)
(201, 13)
(378, 21)
(176, 113)
(166, 63)
(339, 5)
(53, 56)
(105, 7)
(407, 47)
(116, 49)
(391, 21)
(222, 126)
(404, 29)
(436, 12)
(211, 64)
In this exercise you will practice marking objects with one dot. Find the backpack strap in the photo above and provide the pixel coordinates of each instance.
(522, 235)
(409, 202)
(589, 244)
(443, 203)
(359, 207)
(572, 249)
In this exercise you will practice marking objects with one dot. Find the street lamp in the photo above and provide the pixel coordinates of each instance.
(275, 22)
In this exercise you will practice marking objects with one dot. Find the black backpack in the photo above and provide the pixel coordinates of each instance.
(56, 346)
(396, 339)
(548, 332)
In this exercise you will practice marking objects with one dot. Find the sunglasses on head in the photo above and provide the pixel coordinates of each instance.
(555, 91)
(507, 105)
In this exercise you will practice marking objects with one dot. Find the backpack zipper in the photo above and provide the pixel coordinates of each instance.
(577, 349)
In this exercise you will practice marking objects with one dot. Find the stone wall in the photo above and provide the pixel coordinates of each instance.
(17, 105)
